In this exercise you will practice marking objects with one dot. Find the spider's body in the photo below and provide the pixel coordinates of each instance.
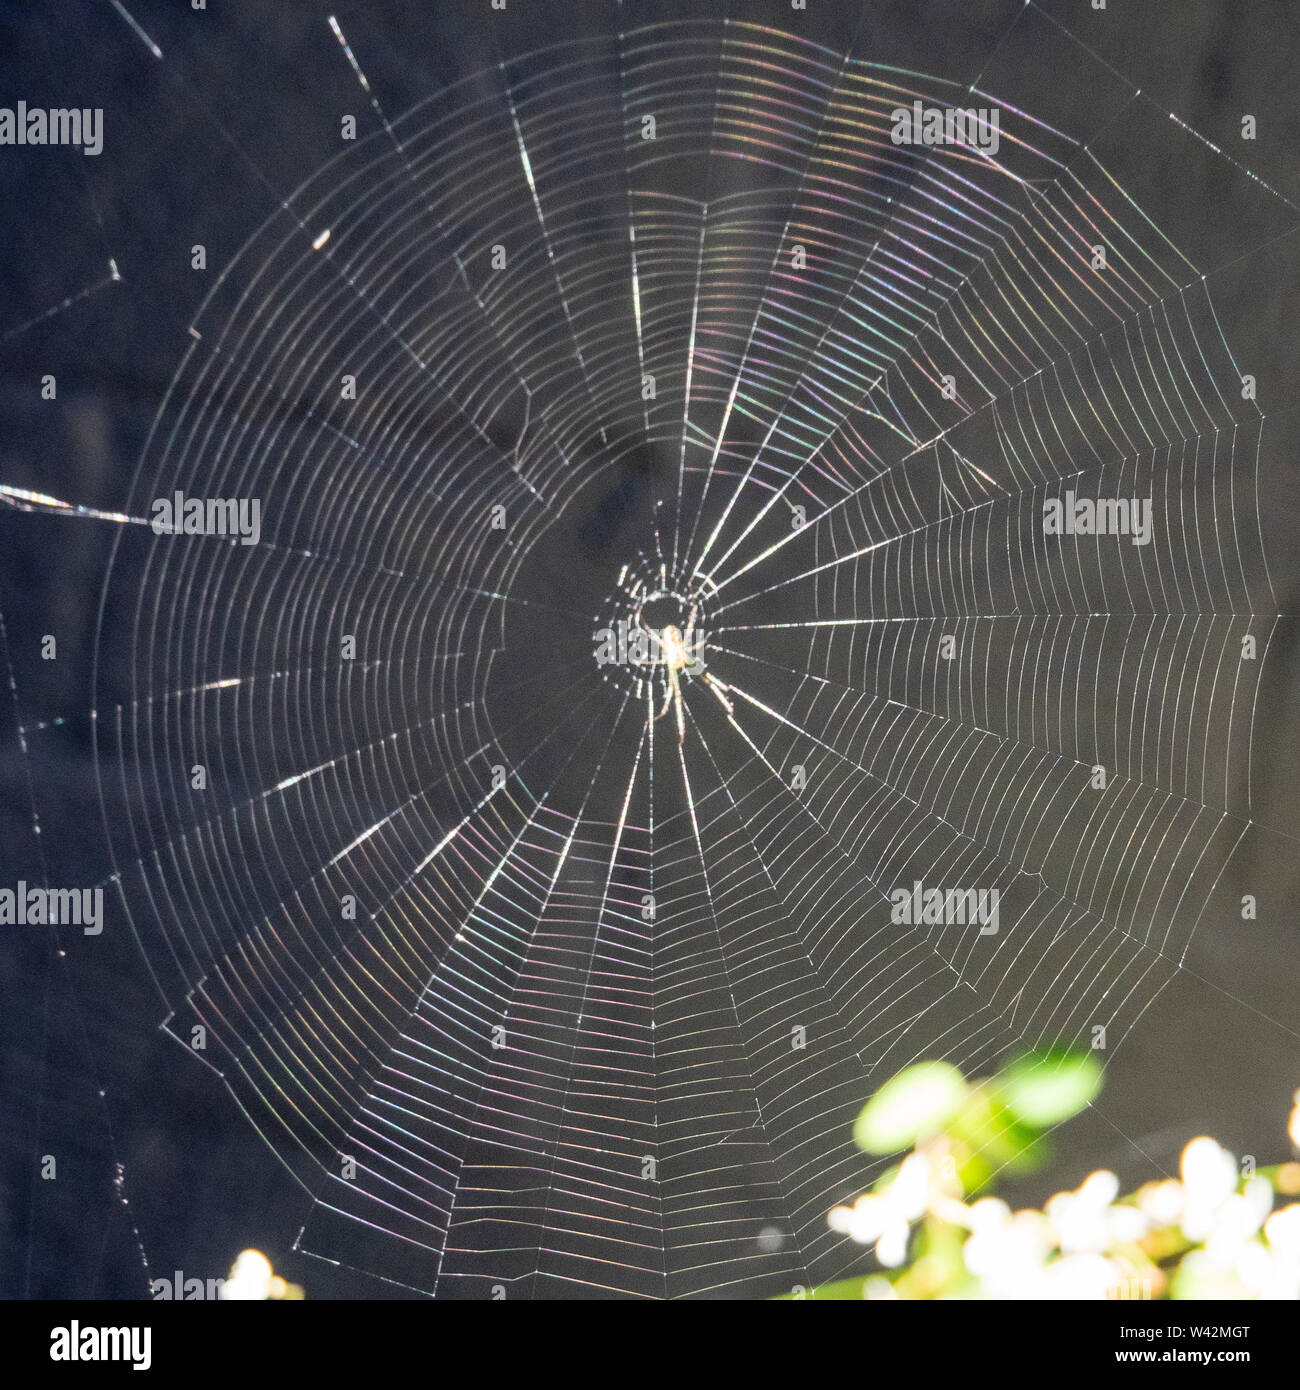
(677, 653)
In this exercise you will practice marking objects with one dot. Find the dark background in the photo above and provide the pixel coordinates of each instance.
(200, 148)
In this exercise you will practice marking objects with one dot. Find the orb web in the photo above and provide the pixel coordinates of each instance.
(552, 974)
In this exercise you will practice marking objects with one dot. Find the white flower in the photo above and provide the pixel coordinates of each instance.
(987, 1214)
(1236, 1219)
(1006, 1253)
(1269, 1273)
(1079, 1276)
(1209, 1172)
(910, 1190)
(872, 1217)
(1209, 1179)
(1283, 1229)
(891, 1248)
(1127, 1225)
(885, 1218)
(1080, 1218)
(1272, 1271)
(1162, 1202)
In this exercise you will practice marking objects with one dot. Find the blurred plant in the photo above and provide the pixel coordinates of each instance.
(252, 1280)
(1216, 1231)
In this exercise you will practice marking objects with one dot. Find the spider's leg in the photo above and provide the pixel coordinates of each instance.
(668, 695)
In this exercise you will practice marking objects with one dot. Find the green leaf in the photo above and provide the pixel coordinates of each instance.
(916, 1102)
(1044, 1088)
(991, 1137)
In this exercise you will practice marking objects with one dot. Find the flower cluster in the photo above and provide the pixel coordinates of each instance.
(1218, 1230)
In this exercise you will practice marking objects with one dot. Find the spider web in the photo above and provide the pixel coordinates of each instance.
(533, 995)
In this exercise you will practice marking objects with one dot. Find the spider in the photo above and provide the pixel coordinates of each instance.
(677, 654)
